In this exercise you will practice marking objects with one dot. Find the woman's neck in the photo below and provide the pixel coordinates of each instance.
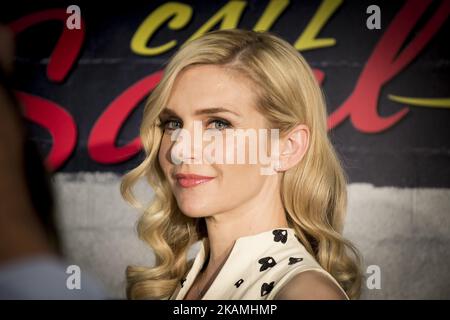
(223, 229)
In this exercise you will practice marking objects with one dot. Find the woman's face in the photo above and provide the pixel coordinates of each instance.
(197, 91)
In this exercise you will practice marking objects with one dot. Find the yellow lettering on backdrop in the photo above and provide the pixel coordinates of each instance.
(271, 14)
(178, 15)
(229, 17)
(307, 40)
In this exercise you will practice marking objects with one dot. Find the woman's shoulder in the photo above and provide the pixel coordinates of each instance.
(298, 272)
(311, 284)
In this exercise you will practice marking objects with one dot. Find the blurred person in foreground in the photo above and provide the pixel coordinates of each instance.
(30, 262)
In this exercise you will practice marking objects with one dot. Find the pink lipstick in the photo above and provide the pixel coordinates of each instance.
(191, 180)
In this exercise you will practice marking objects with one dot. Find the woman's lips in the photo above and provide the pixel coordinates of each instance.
(191, 180)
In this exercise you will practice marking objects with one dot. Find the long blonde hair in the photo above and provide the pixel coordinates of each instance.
(313, 192)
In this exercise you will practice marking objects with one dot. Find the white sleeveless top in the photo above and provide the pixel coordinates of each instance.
(256, 269)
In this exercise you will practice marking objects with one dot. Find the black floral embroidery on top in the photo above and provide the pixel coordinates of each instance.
(266, 288)
(280, 235)
(239, 282)
(182, 282)
(293, 260)
(266, 263)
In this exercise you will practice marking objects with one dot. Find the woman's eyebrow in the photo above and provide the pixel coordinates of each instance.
(170, 112)
(215, 110)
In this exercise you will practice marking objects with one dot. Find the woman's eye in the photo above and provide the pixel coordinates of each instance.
(216, 124)
(219, 124)
(171, 124)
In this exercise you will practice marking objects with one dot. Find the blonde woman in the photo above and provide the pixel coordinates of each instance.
(262, 235)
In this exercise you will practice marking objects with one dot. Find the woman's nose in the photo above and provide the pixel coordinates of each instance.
(188, 144)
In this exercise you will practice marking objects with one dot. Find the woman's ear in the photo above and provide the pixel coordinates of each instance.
(293, 147)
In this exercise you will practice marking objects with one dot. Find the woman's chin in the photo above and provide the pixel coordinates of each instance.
(194, 209)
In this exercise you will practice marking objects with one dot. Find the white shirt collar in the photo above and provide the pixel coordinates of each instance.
(252, 249)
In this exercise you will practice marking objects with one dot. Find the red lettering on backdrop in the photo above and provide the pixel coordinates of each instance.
(67, 48)
(59, 123)
(44, 112)
(101, 142)
(386, 62)
(319, 75)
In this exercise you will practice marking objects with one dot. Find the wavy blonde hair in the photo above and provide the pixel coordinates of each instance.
(313, 192)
